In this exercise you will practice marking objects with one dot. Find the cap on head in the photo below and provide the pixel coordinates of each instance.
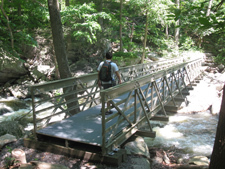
(108, 55)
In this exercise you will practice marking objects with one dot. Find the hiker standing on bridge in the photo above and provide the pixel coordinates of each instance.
(106, 75)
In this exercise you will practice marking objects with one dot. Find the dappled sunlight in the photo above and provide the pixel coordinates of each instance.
(66, 121)
(88, 130)
(64, 134)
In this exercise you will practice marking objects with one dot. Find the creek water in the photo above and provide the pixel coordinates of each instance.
(193, 134)
(25, 114)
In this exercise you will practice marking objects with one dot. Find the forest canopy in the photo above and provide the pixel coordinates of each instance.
(162, 26)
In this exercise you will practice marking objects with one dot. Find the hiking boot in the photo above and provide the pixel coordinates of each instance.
(108, 112)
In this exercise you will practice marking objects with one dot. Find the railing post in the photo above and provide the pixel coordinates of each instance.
(103, 100)
(163, 91)
(135, 105)
(34, 113)
(152, 93)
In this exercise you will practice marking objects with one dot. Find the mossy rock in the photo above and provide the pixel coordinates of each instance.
(13, 128)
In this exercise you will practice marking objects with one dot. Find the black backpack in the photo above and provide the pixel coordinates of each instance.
(105, 72)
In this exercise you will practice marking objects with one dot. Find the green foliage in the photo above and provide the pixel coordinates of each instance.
(10, 162)
(23, 18)
(166, 46)
(125, 55)
(82, 20)
(9, 149)
(220, 50)
(194, 19)
(200, 30)
(220, 59)
(186, 43)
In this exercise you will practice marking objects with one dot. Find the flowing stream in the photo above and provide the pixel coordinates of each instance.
(25, 114)
(194, 134)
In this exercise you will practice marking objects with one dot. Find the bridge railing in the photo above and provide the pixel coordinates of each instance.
(135, 103)
(56, 100)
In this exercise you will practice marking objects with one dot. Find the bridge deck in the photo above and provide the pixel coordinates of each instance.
(84, 127)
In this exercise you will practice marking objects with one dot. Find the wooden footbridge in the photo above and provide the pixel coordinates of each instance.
(148, 91)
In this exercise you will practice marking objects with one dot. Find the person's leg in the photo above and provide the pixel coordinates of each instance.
(106, 86)
(111, 85)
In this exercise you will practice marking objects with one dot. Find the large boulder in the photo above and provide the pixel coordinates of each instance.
(41, 72)
(11, 68)
(137, 147)
(5, 139)
(81, 67)
(199, 160)
(19, 89)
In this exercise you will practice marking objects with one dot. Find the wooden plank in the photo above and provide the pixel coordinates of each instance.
(179, 98)
(116, 159)
(184, 92)
(160, 118)
(171, 108)
(145, 133)
(194, 84)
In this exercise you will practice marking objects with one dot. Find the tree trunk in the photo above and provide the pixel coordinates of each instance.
(145, 38)
(121, 42)
(57, 74)
(167, 31)
(60, 50)
(100, 7)
(209, 7)
(131, 34)
(177, 30)
(19, 13)
(131, 37)
(218, 154)
(59, 4)
(68, 36)
(67, 2)
(10, 30)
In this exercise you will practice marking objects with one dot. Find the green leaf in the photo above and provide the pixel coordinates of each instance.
(204, 21)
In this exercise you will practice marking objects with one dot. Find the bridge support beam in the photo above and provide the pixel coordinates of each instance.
(114, 159)
(145, 133)
(160, 118)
